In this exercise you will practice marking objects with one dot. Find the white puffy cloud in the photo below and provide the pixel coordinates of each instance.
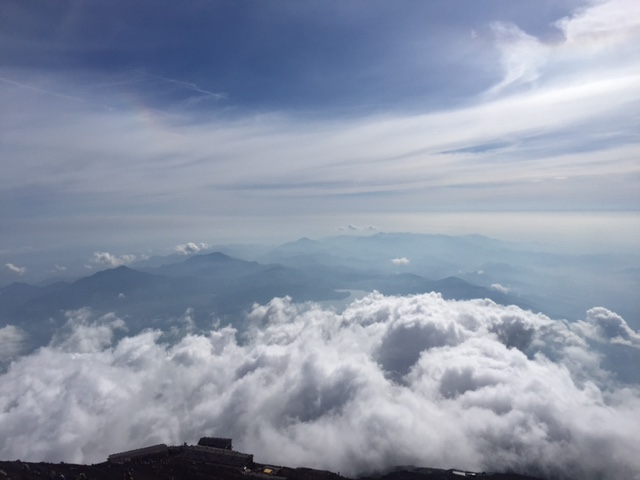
(606, 326)
(400, 261)
(190, 248)
(391, 380)
(11, 343)
(15, 269)
(109, 260)
(82, 334)
(356, 228)
(499, 288)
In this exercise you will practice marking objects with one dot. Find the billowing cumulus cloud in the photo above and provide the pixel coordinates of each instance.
(605, 326)
(15, 269)
(11, 343)
(108, 260)
(190, 248)
(82, 334)
(390, 380)
(400, 261)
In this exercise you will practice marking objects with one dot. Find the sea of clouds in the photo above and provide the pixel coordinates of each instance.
(388, 381)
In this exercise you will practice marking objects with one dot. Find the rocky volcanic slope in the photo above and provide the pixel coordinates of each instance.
(175, 464)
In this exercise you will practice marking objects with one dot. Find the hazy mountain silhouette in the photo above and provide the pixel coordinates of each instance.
(212, 266)
(208, 284)
(559, 284)
(216, 285)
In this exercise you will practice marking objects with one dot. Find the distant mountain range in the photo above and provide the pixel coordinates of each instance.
(225, 284)
(209, 284)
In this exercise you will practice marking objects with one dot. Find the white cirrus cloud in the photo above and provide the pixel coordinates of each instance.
(390, 380)
(604, 23)
(522, 55)
(599, 41)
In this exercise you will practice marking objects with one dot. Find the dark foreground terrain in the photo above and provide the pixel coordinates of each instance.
(195, 463)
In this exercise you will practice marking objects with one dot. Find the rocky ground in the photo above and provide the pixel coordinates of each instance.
(174, 467)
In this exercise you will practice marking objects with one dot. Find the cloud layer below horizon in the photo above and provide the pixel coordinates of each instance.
(390, 380)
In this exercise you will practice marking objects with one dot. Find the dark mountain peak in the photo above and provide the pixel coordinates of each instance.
(217, 259)
(208, 258)
(18, 292)
(211, 266)
(305, 241)
(109, 273)
(118, 277)
(406, 236)
(454, 281)
(277, 267)
(302, 245)
(18, 286)
(409, 275)
(212, 256)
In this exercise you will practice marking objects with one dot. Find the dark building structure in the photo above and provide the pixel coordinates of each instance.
(139, 453)
(216, 456)
(216, 442)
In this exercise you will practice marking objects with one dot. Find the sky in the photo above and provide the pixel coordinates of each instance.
(128, 126)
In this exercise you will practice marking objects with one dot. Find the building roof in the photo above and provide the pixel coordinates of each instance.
(216, 442)
(138, 452)
(218, 456)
